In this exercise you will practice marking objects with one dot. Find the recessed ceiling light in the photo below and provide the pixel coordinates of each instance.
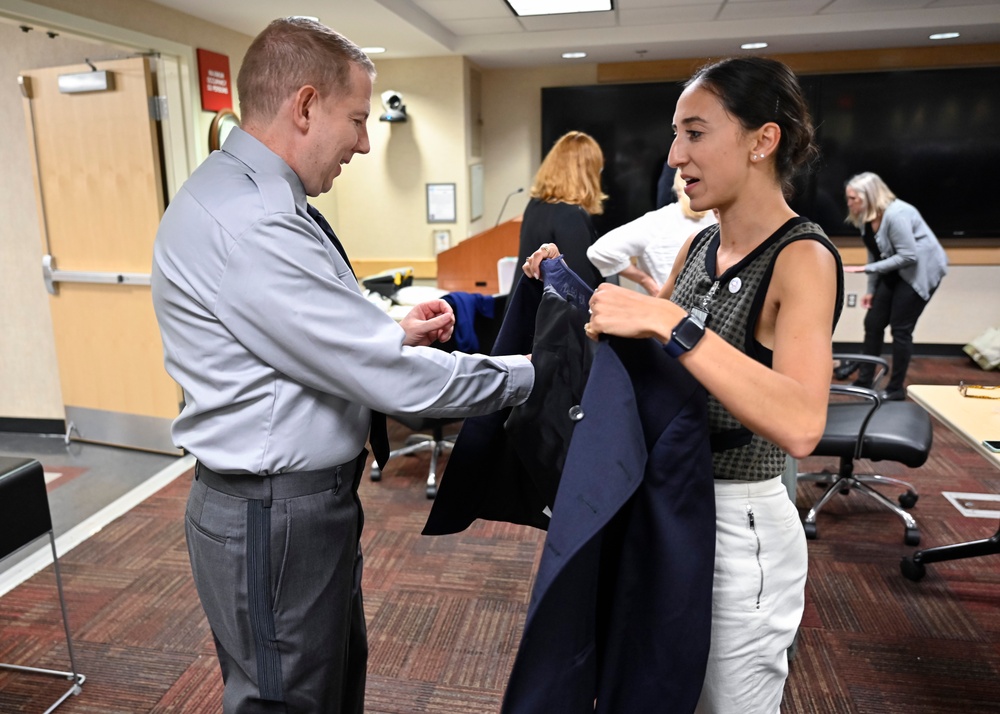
(523, 8)
(944, 36)
(373, 50)
(574, 55)
(753, 46)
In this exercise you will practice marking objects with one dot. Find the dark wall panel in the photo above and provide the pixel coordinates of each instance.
(933, 135)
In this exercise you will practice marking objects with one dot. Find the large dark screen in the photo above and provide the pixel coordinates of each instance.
(932, 135)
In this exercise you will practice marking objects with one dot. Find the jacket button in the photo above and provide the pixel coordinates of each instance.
(575, 412)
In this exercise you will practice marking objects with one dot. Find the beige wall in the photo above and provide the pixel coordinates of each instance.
(512, 130)
(380, 199)
(379, 203)
(966, 304)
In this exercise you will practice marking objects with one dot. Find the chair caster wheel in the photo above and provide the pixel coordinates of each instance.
(912, 536)
(376, 473)
(810, 529)
(912, 570)
(431, 492)
(908, 499)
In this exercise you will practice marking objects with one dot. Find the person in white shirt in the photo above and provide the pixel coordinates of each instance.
(652, 239)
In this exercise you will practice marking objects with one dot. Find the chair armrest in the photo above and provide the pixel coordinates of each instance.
(863, 393)
(881, 365)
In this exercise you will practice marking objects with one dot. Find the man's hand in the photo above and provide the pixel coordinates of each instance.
(428, 322)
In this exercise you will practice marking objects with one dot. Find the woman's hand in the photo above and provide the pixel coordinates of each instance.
(615, 310)
(866, 301)
(854, 268)
(532, 262)
(642, 279)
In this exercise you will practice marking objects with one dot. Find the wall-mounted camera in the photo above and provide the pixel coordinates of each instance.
(392, 102)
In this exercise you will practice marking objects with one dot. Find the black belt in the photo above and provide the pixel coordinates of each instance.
(285, 485)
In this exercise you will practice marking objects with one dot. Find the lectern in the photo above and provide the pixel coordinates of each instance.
(471, 266)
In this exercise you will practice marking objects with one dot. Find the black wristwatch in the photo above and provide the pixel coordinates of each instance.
(685, 336)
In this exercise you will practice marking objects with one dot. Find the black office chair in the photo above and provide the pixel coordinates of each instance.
(913, 567)
(24, 518)
(430, 434)
(860, 425)
(436, 442)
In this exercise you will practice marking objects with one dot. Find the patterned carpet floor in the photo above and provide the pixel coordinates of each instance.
(445, 613)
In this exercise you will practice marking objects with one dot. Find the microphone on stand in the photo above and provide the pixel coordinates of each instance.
(500, 215)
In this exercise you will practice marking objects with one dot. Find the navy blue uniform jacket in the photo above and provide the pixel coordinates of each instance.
(621, 608)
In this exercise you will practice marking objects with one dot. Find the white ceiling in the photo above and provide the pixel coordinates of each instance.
(488, 33)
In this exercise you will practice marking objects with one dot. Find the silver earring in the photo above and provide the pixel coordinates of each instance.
(754, 157)
(762, 156)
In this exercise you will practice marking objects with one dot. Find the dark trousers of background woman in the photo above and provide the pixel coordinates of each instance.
(894, 305)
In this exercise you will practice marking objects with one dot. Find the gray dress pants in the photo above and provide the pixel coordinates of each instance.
(277, 565)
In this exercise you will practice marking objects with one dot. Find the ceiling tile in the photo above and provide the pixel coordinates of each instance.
(666, 15)
(840, 6)
(464, 9)
(630, 5)
(483, 26)
(762, 9)
(579, 21)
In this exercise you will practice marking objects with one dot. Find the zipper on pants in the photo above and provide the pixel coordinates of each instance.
(753, 527)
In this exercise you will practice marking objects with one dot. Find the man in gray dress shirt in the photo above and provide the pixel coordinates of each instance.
(282, 360)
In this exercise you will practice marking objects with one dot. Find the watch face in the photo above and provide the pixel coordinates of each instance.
(688, 332)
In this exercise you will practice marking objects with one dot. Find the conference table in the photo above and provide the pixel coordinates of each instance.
(973, 419)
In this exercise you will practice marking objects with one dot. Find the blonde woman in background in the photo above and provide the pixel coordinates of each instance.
(652, 239)
(905, 266)
(565, 194)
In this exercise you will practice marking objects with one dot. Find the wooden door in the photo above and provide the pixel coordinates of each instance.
(99, 188)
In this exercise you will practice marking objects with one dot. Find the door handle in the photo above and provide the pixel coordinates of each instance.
(52, 276)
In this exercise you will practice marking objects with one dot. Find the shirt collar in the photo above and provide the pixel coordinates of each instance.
(257, 157)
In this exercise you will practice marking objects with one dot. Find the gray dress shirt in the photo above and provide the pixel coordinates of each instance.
(265, 328)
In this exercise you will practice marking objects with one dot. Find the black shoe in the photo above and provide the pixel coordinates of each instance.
(893, 395)
(862, 382)
(845, 370)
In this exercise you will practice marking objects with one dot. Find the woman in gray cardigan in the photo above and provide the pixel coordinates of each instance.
(905, 266)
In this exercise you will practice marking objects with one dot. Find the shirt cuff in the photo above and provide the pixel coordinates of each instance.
(521, 379)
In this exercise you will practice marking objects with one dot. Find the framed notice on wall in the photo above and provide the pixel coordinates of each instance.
(440, 203)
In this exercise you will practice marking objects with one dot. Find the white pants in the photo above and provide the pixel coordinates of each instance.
(757, 597)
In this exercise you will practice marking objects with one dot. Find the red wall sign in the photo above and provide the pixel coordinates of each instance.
(213, 72)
